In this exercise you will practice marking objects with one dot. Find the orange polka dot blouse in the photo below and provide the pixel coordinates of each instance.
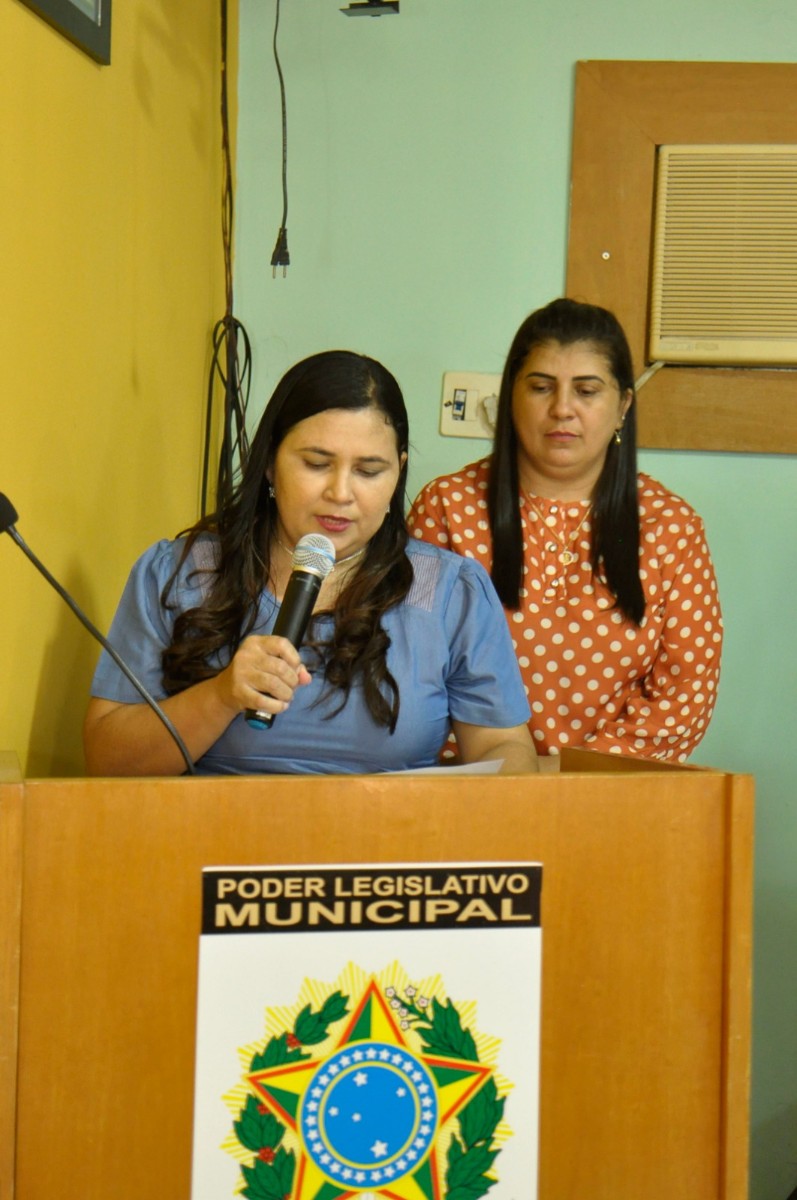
(594, 678)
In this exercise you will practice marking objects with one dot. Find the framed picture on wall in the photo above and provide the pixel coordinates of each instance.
(87, 23)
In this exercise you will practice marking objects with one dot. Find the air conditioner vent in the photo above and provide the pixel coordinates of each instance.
(724, 272)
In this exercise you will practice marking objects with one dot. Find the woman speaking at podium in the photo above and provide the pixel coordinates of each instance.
(605, 575)
(408, 642)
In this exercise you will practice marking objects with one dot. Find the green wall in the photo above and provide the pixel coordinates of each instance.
(428, 164)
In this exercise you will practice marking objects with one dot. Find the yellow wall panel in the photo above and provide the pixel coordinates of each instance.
(111, 281)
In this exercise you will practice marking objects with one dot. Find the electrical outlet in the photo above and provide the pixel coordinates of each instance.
(470, 404)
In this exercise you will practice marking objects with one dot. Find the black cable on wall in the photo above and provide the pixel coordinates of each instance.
(231, 362)
(280, 256)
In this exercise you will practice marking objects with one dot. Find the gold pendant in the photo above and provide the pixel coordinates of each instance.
(567, 557)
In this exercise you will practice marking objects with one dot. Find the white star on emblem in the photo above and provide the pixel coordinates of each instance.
(360, 1078)
(356, 1117)
(401, 1091)
(379, 1149)
(333, 1112)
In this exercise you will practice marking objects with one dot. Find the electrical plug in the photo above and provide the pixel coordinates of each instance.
(280, 256)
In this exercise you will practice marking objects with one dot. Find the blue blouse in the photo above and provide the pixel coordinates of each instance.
(450, 653)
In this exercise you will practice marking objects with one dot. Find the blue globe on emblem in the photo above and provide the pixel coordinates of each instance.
(369, 1114)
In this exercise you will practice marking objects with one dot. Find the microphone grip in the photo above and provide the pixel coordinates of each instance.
(291, 623)
(297, 606)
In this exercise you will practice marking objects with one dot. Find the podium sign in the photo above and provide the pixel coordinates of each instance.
(368, 1031)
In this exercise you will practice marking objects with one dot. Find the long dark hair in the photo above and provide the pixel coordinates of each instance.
(615, 502)
(334, 379)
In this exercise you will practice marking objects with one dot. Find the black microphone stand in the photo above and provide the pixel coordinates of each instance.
(8, 515)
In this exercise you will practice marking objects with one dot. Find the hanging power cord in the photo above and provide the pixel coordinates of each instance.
(231, 363)
(648, 374)
(280, 256)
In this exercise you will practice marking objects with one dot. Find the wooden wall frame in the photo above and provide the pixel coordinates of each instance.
(623, 112)
(87, 23)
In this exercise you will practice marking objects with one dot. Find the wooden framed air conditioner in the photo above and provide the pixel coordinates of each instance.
(724, 266)
(624, 113)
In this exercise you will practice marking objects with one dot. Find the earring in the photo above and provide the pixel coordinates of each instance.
(618, 435)
(271, 492)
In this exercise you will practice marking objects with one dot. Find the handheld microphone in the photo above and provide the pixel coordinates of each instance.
(313, 559)
(8, 517)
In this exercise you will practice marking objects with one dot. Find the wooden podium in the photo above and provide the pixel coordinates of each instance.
(645, 981)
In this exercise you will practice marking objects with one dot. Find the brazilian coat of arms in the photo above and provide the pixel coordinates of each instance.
(372, 1087)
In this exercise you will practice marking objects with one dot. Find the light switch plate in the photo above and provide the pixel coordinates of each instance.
(470, 404)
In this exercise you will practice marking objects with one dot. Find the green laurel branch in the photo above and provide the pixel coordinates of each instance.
(259, 1130)
(442, 1032)
(311, 1028)
(472, 1154)
(256, 1130)
(270, 1181)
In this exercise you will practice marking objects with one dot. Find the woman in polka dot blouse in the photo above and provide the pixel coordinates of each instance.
(605, 576)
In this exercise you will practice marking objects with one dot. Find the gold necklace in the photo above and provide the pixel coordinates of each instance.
(566, 556)
(339, 562)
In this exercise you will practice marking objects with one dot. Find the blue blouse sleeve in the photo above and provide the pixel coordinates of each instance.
(142, 627)
(484, 682)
